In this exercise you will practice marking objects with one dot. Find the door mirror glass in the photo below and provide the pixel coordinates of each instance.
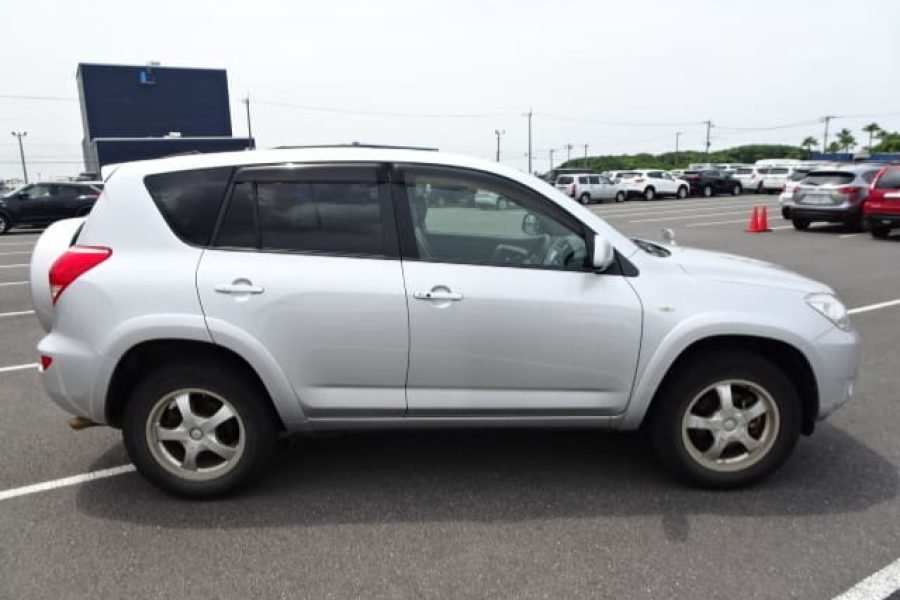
(604, 254)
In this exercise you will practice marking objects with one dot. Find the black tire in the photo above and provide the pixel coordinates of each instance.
(880, 233)
(5, 223)
(800, 224)
(682, 193)
(683, 386)
(620, 196)
(649, 193)
(707, 191)
(251, 404)
(736, 190)
(585, 198)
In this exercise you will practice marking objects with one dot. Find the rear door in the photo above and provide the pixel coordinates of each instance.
(304, 267)
(884, 197)
(504, 315)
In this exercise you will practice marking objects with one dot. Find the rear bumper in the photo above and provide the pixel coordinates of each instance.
(883, 219)
(836, 365)
(72, 376)
(837, 214)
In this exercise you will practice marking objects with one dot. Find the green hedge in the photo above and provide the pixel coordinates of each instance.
(680, 160)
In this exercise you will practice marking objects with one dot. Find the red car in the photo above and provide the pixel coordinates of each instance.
(882, 208)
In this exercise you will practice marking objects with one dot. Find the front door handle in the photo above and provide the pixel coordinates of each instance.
(440, 295)
(239, 286)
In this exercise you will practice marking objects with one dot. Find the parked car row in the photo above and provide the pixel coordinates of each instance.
(861, 196)
(42, 203)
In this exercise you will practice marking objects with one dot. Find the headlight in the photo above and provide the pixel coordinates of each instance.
(831, 308)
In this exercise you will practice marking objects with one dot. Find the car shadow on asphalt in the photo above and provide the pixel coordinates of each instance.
(499, 476)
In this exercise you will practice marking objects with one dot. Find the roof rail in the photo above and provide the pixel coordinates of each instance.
(357, 145)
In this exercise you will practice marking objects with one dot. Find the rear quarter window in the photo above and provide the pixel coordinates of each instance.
(189, 200)
(564, 180)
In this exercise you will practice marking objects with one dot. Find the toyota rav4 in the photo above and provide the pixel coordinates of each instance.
(210, 303)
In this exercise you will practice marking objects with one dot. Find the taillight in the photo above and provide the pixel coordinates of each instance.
(572, 190)
(639, 180)
(848, 190)
(77, 261)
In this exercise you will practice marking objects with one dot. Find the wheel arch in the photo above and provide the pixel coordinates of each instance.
(787, 357)
(147, 355)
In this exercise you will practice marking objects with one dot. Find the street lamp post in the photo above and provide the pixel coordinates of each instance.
(20, 135)
(499, 133)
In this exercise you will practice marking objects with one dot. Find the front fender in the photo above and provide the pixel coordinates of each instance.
(653, 369)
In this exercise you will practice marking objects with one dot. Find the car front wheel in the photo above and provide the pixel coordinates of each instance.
(682, 193)
(198, 430)
(585, 198)
(649, 193)
(726, 421)
(707, 191)
(620, 197)
(736, 190)
(4, 223)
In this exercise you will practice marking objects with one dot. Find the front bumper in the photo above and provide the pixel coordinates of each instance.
(835, 359)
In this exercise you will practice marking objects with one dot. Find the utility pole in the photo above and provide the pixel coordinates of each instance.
(826, 119)
(551, 159)
(677, 136)
(249, 128)
(709, 125)
(569, 152)
(20, 135)
(585, 156)
(529, 114)
(499, 133)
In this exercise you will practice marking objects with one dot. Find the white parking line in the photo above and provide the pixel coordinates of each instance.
(651, 206)
(14, 266)
(18, 367)
(782, 227)
(4, 283)
(17, 313)
(55, 484)
(16, 252)
(16, 243)
(683, 217)
(711, 223)
(870, 307)
(877, 586)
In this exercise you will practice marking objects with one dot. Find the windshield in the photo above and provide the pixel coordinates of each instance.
(14, 192)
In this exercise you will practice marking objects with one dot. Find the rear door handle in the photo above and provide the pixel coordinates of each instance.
(239, 287)
(439, 295)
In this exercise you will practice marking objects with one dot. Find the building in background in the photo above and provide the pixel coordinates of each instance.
(140, 112)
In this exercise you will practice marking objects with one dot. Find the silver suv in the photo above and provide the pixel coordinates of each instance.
(210, 303)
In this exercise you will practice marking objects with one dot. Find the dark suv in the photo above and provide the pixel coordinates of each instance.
(708, 183)
(43, 203)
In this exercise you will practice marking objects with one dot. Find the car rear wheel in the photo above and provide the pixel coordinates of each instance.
(800, 224)
(4, 223)
(198, 430)
(682, 193)
(649, 193)
(726, 421)
(736, 190)
(707, 191)
(620, 196)
(880, 232)
(585, 198)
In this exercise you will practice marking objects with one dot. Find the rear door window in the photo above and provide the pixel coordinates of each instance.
(594, 180)
(778, 171)
(190, 200)
(582, 180)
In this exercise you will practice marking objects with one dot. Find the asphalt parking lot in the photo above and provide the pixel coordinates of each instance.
(511, 514)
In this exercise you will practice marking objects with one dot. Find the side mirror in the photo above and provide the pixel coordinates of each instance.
(531, 225)
(604, 254)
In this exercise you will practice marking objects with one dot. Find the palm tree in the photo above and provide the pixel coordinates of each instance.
(834, 147)
(872, 129)
(808, 143)
(846, 139)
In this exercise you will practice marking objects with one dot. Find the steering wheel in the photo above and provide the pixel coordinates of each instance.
(559, 253)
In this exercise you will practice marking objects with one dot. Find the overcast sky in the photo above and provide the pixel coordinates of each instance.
(622, 77)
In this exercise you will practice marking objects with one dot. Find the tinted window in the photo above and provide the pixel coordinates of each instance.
(778, 171)
(744, 171)
(828, 178)
(189, 200)
(582, 180)
(869, 176)
(594, 179)
(342, 218)
(890, 179)
(763, 171)
(238, 228)
(654, 174)
(564, 180)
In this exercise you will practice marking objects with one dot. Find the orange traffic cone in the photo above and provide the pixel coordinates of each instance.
(753, 226)
(764, 220)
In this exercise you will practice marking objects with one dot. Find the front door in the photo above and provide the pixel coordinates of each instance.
(504, 315)
(304, 267)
